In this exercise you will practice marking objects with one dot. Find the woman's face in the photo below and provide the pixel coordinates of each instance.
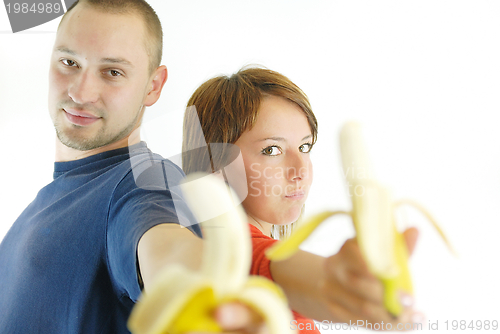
(277, 164)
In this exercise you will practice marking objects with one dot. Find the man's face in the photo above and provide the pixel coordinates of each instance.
(99, 77)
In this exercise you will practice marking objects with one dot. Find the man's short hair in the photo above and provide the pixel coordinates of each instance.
(154, 39)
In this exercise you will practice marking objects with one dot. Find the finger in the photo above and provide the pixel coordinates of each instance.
(355, 303)
(368, 318)
(236, 316)
(346, 270)
(341, 314)
(363, 287)
(411, 236)
(348, 259)
(370, 304)
(409, 320)
(351, 258)
(346, 307)
(418, 318)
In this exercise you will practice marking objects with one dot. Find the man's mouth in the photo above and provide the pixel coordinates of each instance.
(80, 117)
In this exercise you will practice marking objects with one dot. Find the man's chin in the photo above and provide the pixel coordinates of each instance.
(80, 144)
(86, 139)
(87, 144)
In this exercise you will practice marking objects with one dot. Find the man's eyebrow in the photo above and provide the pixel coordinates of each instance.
(66, 50)
(117, 61)
(112, 60)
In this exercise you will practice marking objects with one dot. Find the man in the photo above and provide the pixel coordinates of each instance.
(77, 258)
(69, 263)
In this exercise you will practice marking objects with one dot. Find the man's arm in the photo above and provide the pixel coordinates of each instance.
(168, 244)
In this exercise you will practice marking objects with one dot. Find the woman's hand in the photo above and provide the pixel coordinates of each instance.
(354, 296)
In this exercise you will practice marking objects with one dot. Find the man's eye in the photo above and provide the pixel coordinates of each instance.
(68, 62)
(272, 150)
(305, 148)
(114, 73)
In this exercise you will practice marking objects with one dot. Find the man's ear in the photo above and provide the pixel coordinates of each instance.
(159, 78)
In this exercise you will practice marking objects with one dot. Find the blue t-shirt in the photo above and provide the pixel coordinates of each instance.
(68, 264)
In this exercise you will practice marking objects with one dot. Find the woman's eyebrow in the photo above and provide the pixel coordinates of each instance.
(282, 139)
(273, 138)
(307, 137)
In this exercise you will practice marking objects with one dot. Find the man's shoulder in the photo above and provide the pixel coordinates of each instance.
(152, 171)
(118, 172)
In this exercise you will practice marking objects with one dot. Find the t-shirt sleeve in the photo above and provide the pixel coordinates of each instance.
(140, 203)
(260, 243)
(261, 266)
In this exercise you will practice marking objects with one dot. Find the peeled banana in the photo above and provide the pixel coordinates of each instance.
(382, 246)
(180, 300)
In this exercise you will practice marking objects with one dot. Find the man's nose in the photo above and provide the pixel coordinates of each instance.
(84, 88)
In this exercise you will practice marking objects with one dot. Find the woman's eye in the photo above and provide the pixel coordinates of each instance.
(272, 150)
(305, 148)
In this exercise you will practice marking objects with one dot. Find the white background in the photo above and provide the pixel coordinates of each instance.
(422, 76)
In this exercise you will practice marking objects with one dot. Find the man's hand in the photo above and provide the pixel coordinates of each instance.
(352, 293)
(238, 318)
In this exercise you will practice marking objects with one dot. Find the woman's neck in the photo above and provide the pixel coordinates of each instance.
(263, 226)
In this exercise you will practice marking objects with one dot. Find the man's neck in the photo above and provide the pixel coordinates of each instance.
(65, 153)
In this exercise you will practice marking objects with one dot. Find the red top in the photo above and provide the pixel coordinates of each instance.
(260, 266)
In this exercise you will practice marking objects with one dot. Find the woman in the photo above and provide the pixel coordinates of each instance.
(271, 121)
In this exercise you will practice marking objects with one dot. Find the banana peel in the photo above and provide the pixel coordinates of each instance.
(182, 300)
(383, 247)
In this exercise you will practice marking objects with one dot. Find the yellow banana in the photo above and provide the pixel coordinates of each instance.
(181, 300)
(382, 246)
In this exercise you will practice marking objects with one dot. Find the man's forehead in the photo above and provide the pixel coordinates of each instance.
(84, 7)
(111, 35)
(92, 18)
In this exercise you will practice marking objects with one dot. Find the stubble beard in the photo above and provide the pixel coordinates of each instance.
(100, 139)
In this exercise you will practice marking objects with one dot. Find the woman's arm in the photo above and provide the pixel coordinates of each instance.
(338, 288)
